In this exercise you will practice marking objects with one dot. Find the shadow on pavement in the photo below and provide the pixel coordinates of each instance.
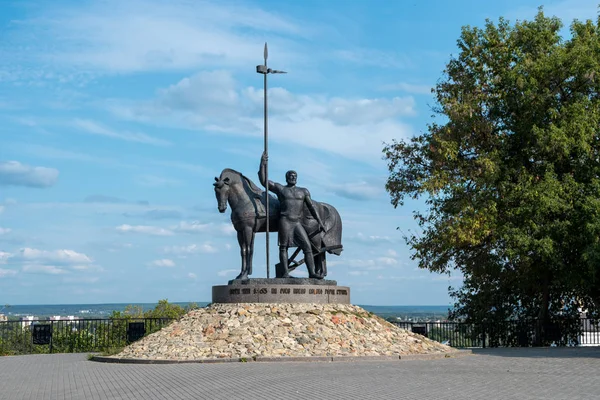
(541, 352)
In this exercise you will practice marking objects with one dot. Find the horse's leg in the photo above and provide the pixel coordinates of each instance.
(321, 264)
(318, 264)
(246, 242)
(243, 252)
(250, 253)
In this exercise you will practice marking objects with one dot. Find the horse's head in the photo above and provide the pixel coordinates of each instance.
(222, 193)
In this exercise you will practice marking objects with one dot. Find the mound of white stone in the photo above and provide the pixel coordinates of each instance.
(279, 330)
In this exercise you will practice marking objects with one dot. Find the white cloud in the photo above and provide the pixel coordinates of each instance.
(89, 208)
(13, 173)
(228, 272)
(113, 247)
(360, 142)
(4, 256)
(7, 272)
(387, 261)
(406, 278)
(361, 237)
(186, 166)
(446, 278)
(80, 279)
(156, 181)
(1, 209)
(43, 269)
(207, 91)
(192, 227)
(190, 249)
(355, 128)
(375, 264)
(150, 35)
(94, 128)
(408, 88)
(104, 201)
(208, 248)
(391, 253)
(197, 227)
(4, 231)
(358, 190)
(566, 10)
(61, 257)
(144, 229)
(369, 264)
(157, 214)
(100, 198)
(341, 111)
(165, 262)
(52, 153)
(192, 275)
(374, 58)
(364, 111)
(227, 229)
(82, 267)
(52, 262)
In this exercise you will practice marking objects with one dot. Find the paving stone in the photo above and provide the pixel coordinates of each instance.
(556, 373)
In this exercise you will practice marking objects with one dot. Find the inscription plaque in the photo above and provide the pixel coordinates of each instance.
(285, 293)
(135, 331)
(42, 334)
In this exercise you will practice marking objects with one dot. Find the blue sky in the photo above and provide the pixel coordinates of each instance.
(115, 116)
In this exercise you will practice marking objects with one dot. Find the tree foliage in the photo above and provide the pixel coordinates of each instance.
(163, 309)
(511, 173)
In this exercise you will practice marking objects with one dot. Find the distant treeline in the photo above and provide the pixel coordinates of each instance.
(43, 311)
(14, 312)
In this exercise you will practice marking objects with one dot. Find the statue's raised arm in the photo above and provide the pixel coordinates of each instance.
(262, 173)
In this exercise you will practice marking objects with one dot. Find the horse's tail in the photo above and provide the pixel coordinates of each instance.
(333, 228)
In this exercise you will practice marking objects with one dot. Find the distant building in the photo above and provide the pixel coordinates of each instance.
(61, 318)
(590, 333)
(28, 320)
(3, 318)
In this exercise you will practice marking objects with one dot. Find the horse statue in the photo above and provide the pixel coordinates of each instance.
(248, 215)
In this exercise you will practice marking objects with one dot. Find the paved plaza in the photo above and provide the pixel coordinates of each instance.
(554, 373)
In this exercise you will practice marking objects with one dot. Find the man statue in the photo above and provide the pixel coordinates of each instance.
(291, 232)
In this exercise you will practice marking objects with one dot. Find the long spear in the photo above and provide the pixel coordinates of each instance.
(262, 69)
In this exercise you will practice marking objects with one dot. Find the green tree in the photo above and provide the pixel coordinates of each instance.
(130, 311)
(164, 309)
(511, 173)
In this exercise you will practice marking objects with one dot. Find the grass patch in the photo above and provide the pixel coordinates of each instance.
(111, 351)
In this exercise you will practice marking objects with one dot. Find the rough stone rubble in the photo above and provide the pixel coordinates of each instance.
(279, 330)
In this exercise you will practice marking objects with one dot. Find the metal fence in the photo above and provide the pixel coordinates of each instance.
(102, 335)
(519, 333)
(455, 334)
(74, 336)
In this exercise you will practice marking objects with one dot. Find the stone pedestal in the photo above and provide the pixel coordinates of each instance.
(281, 290)
(282, 281)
